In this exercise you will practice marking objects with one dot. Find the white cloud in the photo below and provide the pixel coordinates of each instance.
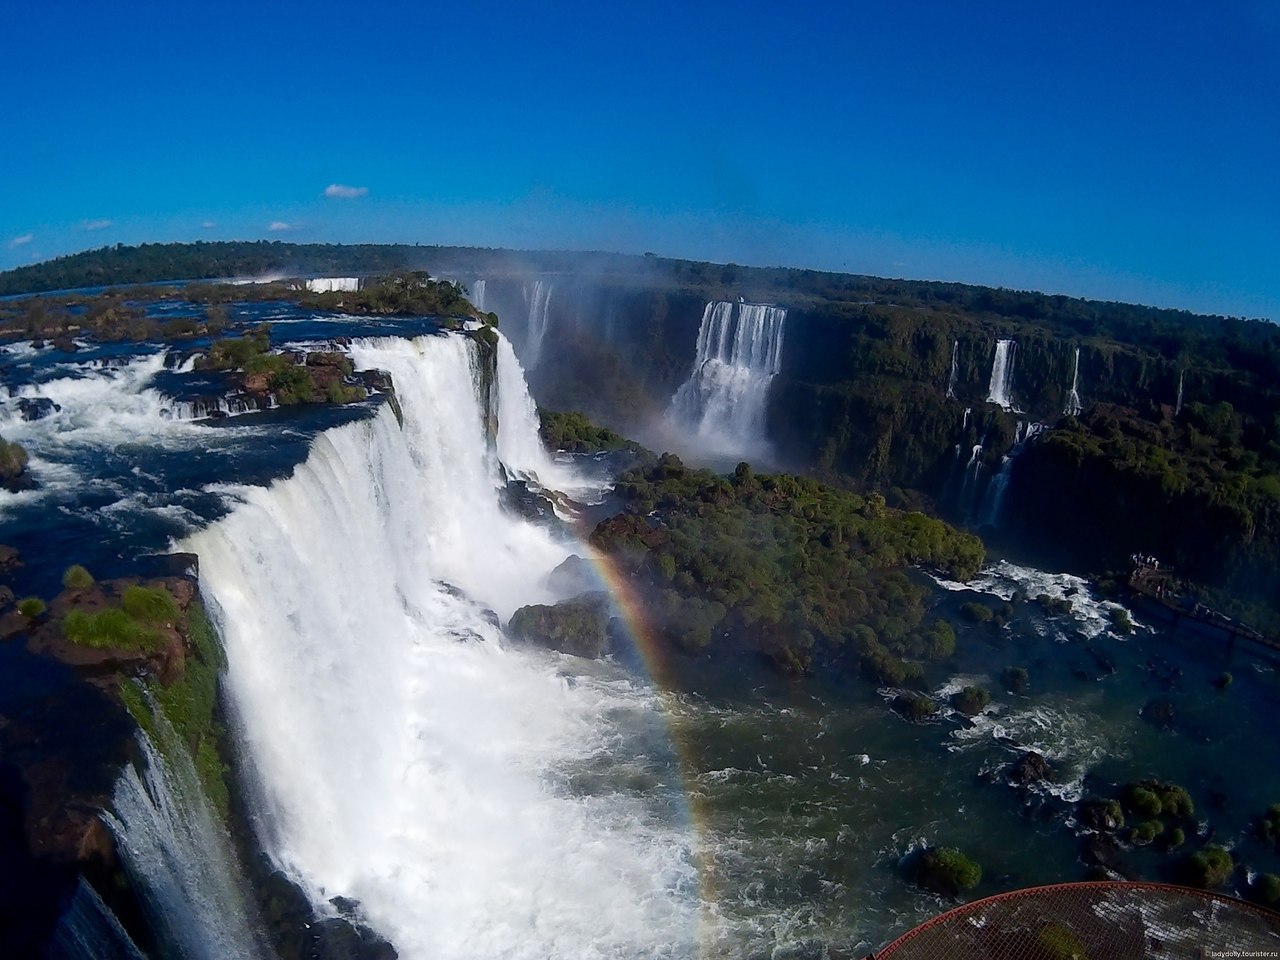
(340, 191)
(278, 225)
(208, 225)
(96, 224)
(22, 240)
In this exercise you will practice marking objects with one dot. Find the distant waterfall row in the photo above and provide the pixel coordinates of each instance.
(538, 299)
(723, 403)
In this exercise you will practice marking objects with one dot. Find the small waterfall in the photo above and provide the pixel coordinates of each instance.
(1074, 406)
(967, 411)
(88, 930)
(1177, 407)
(180, 857)
(1000, 390)
(477, 295)
(955, 369)
(1000, 482)
(722, 404)
(538, 299)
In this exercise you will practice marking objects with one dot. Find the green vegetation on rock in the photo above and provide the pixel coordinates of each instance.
(1015, 679)
(947, 871)
(786, 565)
(574, 433)
(77, 578)
(112, 628)
(31, 607)
(976, 612)
(1208, 868)
(971, 700)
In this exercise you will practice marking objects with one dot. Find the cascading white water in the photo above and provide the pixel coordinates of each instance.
(723, 402)
(402, 756)
(477, 295)
(1000, 390)
(1177, 407)
(539, 300)
(180, 857)
(967, 412)
(1074, 406)
(333, 284)
(999, 486)
(955, 369)
(519, 446)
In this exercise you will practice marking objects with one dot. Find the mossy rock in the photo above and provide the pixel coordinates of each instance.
(976, 612)
(917, 709)
(971, 700)
(579, 626)
(947, 871)
(1015, 679)
(1208, 868)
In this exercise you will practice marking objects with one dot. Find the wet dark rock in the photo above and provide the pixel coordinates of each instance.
(1100, 814)
(10, 559)
(579, 626)
(1099, 849)
(574, 576)
(64, 343)
(1031, 768)
(37, 408)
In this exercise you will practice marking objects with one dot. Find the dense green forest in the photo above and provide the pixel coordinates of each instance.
(804, 573)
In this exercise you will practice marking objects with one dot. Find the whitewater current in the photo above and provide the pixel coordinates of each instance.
(399, 753)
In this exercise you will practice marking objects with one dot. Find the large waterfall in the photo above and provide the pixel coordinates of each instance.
(477, 295)
(1074, 406)
(723, 402)
(400, 755)
(1000, 390)
(538, 298)
(999, 486)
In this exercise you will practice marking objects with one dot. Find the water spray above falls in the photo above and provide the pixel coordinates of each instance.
(723, 402)
(1074, 406)
(1000, 390)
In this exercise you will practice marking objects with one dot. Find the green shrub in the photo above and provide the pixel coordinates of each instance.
(1015, 679)
(976, 612)
(971, 700)
(292, 385)
(150, 606)
(1177, 837)
(109, 629)
(1138, 799)
(1056, 942)
(1223, 680)
(940, 641)
(77, 578)
(1266, 889)
(1210, 867)
(341, 393)
(946, 870)
(1120, 621)
(31, 607)
(914, 708)
(1145, 832)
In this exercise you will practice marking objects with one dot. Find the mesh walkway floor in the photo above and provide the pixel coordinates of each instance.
(1094, 921)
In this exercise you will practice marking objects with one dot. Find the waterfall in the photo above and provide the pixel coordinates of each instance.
(955, 369)
(520, 447)
(400, 755)
(1074, 406)
(1177, 407)
(333, 284)
(722, 404)
(1000, 482)
(180, 856)
(965, 424)
(88, 930)
(477, 295)
(1001, 389)
(538, 299)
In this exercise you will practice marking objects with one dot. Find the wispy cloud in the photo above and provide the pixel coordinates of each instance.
(208, 225)
(340, 191)
(278, 225)
(22, 241)
(96, 224)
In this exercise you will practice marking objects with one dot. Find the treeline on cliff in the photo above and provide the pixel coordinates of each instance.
(799, 571)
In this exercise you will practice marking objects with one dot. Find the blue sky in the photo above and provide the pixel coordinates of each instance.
(1122, 151)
